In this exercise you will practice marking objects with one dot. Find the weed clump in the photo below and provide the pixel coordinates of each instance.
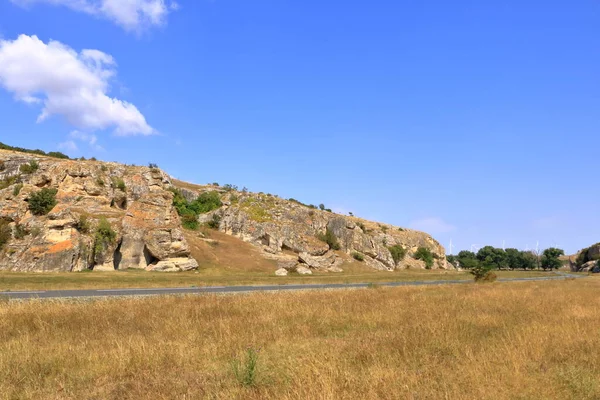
(246, 370)
(358, 257)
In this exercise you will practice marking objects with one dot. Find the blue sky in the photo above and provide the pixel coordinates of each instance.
(475, 121)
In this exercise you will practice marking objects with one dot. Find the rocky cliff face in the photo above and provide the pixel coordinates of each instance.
(289, 231)
(109, 216)
(135, 201)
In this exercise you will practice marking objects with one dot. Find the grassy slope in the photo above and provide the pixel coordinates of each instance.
(498, 341)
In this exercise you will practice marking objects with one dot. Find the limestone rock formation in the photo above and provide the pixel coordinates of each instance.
(289, 231)
(135, 201)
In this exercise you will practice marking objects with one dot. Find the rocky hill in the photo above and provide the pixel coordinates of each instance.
(72, 215)
(586, 260)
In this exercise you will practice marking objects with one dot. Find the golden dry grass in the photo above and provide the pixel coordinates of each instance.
(533, 340)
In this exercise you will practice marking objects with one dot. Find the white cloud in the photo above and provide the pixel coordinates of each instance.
(89, 138)
(68, 145)
(132, 15)
(69, 84)
(432, 225)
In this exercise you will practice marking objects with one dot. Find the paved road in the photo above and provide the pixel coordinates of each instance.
(65, 294)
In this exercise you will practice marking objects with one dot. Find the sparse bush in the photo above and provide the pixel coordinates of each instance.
(384, 228)
(425, 255)
(401, 229)
(398, 253)
(104, 168)
(246, 370)
(42, 202)
(2, 166)
(29, 168)
(358, 257)
(105, 236)
(483, 273)
(20, 232)
(8, 181)
(330, 239)
(215, 222)
(361, 226)
(329, 210)
(228, 187)
(5, 233)
(100, 182)
(120, 184)
(83, 225)
(216, 184)
(36, 231)
(234, 198)
(190, 221)
(17, 189)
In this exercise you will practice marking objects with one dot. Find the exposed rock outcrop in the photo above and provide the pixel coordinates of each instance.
(289, 231)
(135, 201)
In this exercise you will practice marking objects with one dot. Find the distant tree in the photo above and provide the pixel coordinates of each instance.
(514, 259)
(529, 260)
(491, 256)
(467, 259)
(551, 258)
(322, 207)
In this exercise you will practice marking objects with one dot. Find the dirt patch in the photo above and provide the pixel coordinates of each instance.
(227, 252)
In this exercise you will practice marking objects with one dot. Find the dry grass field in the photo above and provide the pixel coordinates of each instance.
(534, 340)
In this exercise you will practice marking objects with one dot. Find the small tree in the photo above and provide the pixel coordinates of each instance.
(398, 253)
(322, 207)
(551, 258)
(425, 255)
(42, 202)
(105, 236)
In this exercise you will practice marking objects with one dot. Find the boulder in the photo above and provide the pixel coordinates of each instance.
(281, 272)
(303, 271)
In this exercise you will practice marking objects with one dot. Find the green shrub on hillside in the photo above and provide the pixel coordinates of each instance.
(398, 253)
(8, 181)
(17, 189)
(29, 168)
(55, 154)
(104, 237)
(425, 255)
(329, 238)
(83, 225)
(20, 231)
(5, 233)
(42, 202)
(189, 211)
(358, 257)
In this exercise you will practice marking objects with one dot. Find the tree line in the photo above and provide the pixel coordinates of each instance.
(490, 257)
